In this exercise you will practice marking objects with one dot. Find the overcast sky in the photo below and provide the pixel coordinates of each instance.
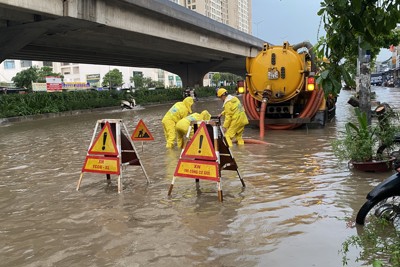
(295, 21)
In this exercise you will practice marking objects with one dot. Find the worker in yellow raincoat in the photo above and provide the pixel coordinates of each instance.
(177, 112)
(183, 125)
(235, 117)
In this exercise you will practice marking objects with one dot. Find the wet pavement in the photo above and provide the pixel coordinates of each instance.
(295, 210)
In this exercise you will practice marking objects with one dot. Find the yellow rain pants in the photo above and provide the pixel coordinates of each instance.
(235, 119)
(178, 111)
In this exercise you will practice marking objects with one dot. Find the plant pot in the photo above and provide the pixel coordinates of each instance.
(374, 165)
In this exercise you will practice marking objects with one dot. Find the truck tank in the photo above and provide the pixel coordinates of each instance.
(281, 92)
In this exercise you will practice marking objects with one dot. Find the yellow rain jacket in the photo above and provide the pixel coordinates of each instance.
(235, 119)
(178, 111)
(183, 125)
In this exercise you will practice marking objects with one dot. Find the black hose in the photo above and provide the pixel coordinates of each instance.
(309, 46)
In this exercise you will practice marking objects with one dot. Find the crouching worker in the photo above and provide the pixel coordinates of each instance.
(235, 117)
(183, 125)
(177, 112)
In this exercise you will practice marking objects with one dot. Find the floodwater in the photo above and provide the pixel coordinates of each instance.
(297, 208)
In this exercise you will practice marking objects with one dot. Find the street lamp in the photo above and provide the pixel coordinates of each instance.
(257, 23)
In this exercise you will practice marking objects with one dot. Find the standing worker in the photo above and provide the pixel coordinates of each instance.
(183, 125)
(177, 112)
(235, 117)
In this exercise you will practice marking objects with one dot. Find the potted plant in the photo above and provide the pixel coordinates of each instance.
(368, 147)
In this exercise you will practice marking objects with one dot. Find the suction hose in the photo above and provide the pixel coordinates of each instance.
(262, 117)
(309, 111)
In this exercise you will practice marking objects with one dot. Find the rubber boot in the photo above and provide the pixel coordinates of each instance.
(240, 142)
(169, 145)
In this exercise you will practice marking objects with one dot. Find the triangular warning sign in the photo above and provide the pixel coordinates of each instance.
(141, 133)
(200, 146)
(104, 143)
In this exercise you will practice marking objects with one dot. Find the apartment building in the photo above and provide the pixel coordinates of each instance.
(235, 13)
(94, 74)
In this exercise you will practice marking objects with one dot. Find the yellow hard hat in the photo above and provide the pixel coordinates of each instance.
(205, 115)
(221, 92)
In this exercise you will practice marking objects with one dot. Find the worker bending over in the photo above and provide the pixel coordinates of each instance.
(183, 125)
(235, 117)
(177, 112)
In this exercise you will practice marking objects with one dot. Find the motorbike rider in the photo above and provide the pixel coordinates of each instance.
(177, 112)
(190, 92)
(235, 117)
(183, 125)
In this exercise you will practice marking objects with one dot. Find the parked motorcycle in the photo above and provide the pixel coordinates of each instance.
(382, 202)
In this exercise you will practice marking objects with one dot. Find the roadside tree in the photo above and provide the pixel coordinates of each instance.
(46, 71)
(141, 82)
(24, 79)
(355, 29)
(113, 79)
(216, 78)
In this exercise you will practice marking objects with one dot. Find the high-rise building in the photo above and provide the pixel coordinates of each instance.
(235, 13)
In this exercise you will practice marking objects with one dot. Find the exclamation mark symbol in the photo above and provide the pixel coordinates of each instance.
(200, 143)
(104, 141)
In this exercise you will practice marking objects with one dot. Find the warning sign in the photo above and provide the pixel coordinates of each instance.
(200, 146)
(104, 143)
(207, 170)
(109, 165)
(141, 133)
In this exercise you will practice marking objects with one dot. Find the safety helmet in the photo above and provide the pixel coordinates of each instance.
(221, 92)
(205, 115)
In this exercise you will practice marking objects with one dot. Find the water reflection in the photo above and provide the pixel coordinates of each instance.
(297, 199)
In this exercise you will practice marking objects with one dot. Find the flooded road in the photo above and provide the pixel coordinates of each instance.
(295, 210)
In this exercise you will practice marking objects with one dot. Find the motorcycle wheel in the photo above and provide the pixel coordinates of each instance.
(388, 209)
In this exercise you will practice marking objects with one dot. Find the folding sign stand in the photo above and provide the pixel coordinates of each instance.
(202, 159)
(110, 151)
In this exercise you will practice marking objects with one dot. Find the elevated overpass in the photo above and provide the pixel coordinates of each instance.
(136, 33)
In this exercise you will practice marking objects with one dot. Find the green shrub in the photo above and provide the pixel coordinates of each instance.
(13, 105)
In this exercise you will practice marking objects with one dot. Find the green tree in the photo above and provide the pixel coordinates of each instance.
(24, 79)
(230, 78)
(46, 71)
(148, 82)
(137, 80)
(216, 78)
(144, 82)
(113, 78)
(352, 26)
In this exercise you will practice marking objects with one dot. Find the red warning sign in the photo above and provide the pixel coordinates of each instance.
(104, 143)
(109, 165)
(207, 170)
(200, 146)
(141, 133)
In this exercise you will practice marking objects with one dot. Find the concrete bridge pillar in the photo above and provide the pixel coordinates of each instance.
(192, 75)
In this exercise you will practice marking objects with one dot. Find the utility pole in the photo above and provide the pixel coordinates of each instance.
(364, 80)
(257, 23)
